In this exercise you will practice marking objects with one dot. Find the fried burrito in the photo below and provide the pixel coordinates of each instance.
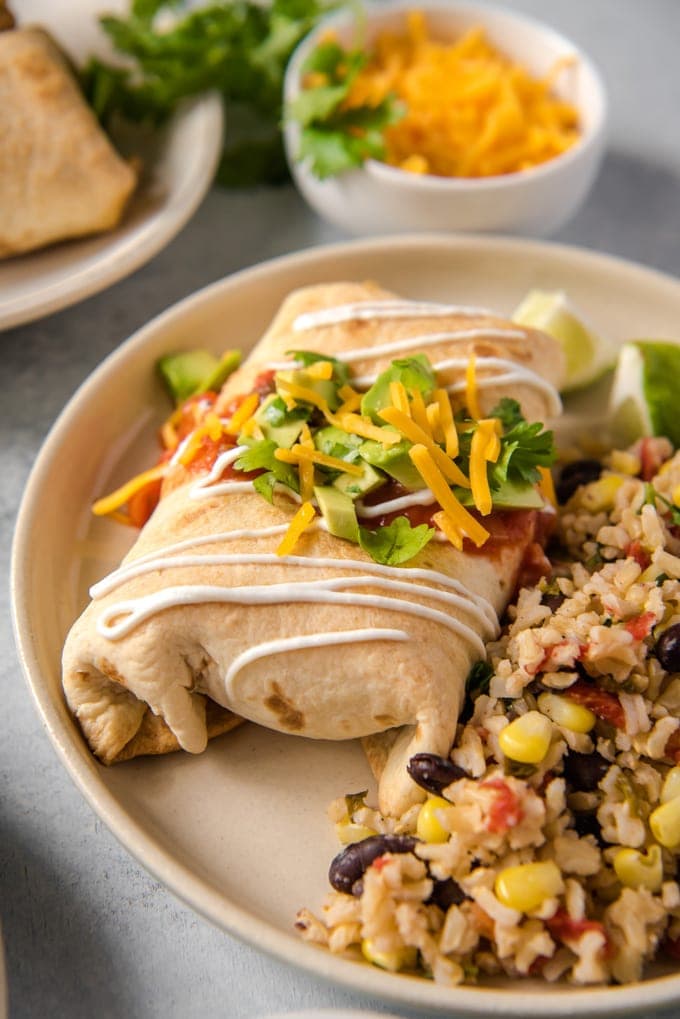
(337, 532)
(60, 176)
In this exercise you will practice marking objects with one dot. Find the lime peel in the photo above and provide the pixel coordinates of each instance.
(645, 391)
(588, 355)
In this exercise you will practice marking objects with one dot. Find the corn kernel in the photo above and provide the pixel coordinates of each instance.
(600, 495)
(566, 713)
(640, 870)
(398, 958)
(665, 823)
(671, 786)
(428, 825)
(348, 832)
(527, 739)
(624, 463)
(676, 495)
(527, 886)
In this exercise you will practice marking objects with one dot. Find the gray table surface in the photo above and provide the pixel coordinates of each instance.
(87, 931)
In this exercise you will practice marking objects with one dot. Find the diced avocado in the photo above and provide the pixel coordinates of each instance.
(355, 487)
(510, 495)
(394, 460)
(338, 511)
(414, 372)
(184, 373)
(282, 428)
(334, 442)
(325, 388)
(227, 364)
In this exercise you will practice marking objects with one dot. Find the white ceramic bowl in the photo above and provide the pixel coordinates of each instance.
(378, 198)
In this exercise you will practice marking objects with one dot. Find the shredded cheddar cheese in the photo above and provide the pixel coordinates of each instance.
(103, 507)
(357, 425)
(470, 110)
(447, 527)
(244, 413)
(471, 397)
(352, 400)
(399, 397)
(446, 422)
(419, 413)
(410, 430)
(429, 471)
(320, 370)
(299, 453)
(296, 528)
(481, 493)
(546, 486)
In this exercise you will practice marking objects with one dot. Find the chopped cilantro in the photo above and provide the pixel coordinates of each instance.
(508, 412)
(395, 543)
(333, 136)
(260, 456)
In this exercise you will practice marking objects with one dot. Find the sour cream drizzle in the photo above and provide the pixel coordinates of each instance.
(423, 497)
(456, 594)
(429, 340)
(275, 647)
(131, 612)
(362, 311)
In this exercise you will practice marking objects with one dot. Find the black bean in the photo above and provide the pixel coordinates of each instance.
(553, 601)
(433, 772)
(350, 865)
(447, 893)
(586, 823)
(575, 474)
(667, 648)
(583, 771)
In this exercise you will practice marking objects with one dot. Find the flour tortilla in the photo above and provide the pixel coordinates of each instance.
(172, 661)
(60, 177)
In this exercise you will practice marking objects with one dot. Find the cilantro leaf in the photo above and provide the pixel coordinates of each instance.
(335, 137)
(260, 456)
(264, 486)
(275, 413)
(239, 48)
(524, 449)
(508, 411)
(395, 543)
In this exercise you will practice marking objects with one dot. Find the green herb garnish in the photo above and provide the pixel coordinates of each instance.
(239, 48)
(395, 543)
(335, 137)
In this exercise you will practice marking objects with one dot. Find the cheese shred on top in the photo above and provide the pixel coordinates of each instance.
(470, 110)
(297, 526)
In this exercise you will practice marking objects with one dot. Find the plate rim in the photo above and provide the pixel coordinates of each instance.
(146, 240)
(180, 879)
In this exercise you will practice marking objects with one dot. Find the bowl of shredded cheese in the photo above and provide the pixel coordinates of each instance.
(443, 116)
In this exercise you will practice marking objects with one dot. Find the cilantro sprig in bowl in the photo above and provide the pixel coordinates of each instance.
(340, 131)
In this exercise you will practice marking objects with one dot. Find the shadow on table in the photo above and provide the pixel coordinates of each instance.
(634, 211)
(72, 976)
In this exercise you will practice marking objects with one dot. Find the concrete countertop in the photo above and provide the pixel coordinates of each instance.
(87, 931)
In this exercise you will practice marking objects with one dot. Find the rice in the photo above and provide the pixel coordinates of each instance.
(589, 634)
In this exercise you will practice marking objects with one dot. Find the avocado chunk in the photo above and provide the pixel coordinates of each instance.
(338, 511)
(281, 426)
(510, 495)
(325, 388)
(414, 372)
(334, 442)
(355, 487)
(195, 371)
(394, 460)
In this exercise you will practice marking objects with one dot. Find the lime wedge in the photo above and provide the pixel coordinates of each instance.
(646, 391)
(588, 356)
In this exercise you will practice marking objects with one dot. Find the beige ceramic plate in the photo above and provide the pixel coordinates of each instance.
(178, 165)
(240, 832)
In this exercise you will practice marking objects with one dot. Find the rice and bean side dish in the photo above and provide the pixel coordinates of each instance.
(548, 843)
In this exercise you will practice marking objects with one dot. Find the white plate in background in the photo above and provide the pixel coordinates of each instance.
(240, 833)
(179, 162)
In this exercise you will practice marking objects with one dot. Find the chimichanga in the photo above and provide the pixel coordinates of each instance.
(339, 636)
(60, 177)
